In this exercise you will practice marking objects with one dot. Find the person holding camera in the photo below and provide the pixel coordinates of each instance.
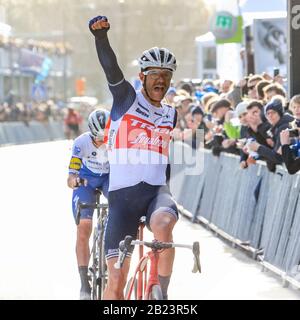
(291, 156)
(274, 112)
(290, 139)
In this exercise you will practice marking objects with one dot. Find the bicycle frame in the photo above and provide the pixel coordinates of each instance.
(144, 284)
(98, 261)
(149, 287)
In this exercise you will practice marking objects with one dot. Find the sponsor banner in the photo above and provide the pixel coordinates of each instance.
(270, 45)
(227, 28)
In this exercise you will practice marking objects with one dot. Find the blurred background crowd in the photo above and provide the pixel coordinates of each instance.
(252, 118)
(248, 118)
(256, 116)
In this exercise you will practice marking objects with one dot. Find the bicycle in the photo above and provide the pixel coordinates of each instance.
(97, 265)
(148, 288)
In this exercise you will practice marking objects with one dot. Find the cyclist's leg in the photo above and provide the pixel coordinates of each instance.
(84, 229)
(161, 217)
(123, 220)
(116, 280)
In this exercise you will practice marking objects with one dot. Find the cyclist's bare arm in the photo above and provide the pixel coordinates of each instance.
(74, 181)
(122, 91)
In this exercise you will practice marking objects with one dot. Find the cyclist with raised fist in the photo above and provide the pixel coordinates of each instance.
(138, 149)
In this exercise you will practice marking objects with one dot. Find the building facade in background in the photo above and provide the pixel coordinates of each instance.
(30, 69)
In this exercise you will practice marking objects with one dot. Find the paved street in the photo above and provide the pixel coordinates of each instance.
(37, 239)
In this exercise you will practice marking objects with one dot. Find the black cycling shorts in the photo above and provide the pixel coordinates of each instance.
(127, 206)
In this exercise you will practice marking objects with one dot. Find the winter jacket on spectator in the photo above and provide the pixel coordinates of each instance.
(292, 162)
(271, 154)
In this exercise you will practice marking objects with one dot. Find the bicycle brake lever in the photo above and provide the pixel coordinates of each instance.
(120, 261)
(123, 249)
(196, 252)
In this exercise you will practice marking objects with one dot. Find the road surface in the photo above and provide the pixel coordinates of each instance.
(37, 239)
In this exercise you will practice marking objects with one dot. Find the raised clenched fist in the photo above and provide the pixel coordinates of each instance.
(99, 26)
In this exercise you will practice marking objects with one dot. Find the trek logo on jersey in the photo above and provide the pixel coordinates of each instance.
(136, 133)
(137, 123)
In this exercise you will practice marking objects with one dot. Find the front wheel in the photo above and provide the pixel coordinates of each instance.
(93, 268)
(129, 284)
(102, 267)
(155, 293)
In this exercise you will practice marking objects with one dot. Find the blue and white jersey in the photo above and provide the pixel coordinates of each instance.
(87, 159)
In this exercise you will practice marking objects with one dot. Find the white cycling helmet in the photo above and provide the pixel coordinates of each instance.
(97, 121)
(158, 58)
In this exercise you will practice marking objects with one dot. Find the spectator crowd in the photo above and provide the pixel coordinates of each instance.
(252, 118)
(71, 116)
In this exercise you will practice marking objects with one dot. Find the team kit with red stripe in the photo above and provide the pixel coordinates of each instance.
(138, 148)
(138, 141)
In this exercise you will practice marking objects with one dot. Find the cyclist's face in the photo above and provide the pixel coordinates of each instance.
(157, 82)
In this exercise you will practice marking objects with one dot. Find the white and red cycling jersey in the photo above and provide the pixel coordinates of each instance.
(138, 144)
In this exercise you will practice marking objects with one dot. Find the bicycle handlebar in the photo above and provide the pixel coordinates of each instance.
(84, 205)
(155, 245)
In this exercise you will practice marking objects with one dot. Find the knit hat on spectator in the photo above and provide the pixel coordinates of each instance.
(197, 110)
(241, 108)
(275, 105)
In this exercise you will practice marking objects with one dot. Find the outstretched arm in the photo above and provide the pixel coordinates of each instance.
(99, 27)
(122, 91)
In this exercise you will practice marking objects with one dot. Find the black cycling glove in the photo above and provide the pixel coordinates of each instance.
(100, 33)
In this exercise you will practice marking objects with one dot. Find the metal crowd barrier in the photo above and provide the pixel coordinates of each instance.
(19, 133)
(253, 208)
